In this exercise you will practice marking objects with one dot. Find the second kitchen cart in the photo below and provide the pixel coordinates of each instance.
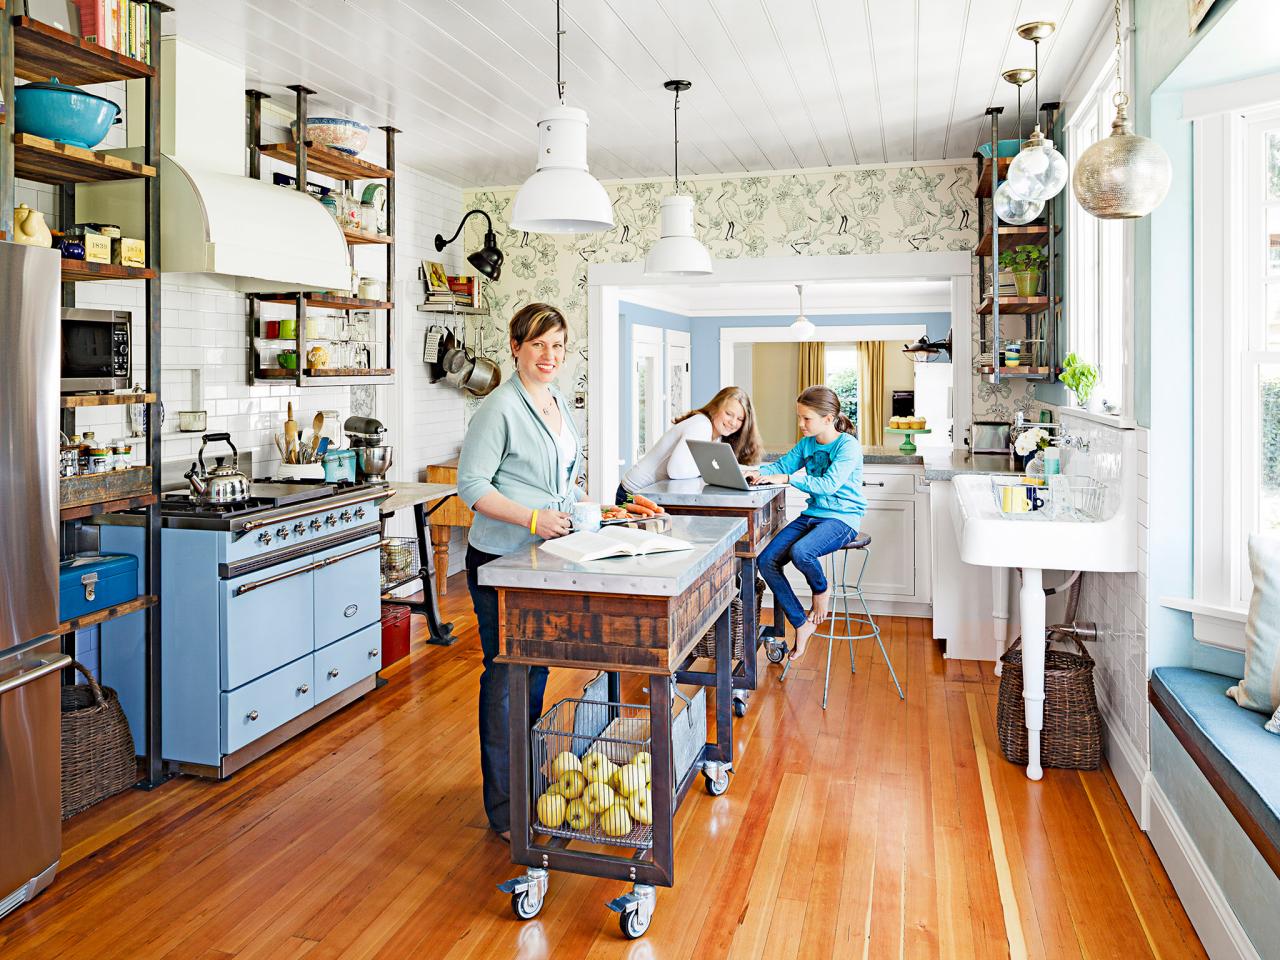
(642, 615)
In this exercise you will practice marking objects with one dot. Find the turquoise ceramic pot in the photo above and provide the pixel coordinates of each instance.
(63, 113)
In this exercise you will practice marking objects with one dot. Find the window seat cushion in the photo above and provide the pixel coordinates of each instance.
(1229, 744)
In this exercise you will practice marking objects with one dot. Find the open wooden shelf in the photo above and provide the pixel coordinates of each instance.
(459, 310)
(110, 613)
(83, 510)
(282, 373)
(87, 270)
(35, 158)
(328, 161)
(41, 51)
(359, 236)
(983, 189)
(330, 300)
(91, 494)
(1015, 305)
(105, 399)
(1036, 234)
(1018, 371)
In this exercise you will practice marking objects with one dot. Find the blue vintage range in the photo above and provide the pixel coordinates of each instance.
(270, 618)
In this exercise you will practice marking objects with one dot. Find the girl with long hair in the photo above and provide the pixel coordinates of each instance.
(831, 457)
(727, 416)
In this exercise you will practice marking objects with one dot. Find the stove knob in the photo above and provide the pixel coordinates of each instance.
(315, 523)
(345, 516)
(331, 520)
(359, 513)
(283, 533)
(299, 528)
(264, 537)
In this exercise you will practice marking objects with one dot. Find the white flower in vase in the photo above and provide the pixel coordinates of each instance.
(1031, 440)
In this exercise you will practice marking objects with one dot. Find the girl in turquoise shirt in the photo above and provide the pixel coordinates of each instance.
(831, 457)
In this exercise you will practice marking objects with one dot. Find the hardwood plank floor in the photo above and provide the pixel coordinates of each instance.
(876, 828)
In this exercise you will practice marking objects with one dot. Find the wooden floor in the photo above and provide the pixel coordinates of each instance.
(875, 829)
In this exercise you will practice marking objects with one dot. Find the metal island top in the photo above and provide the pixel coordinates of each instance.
(653, 575)
(698, 493)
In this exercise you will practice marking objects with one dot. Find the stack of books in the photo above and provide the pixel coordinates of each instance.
(120, 25)
(449, 290)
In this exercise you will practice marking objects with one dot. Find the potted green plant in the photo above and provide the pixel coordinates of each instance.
(1024, 261)
(1080, 378)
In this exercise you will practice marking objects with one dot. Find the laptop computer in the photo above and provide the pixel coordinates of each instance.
(719, 467)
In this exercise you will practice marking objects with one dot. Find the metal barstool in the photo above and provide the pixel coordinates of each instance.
(841, 609)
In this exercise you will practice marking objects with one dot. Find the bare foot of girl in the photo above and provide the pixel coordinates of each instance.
(803, 633)
(818, 613)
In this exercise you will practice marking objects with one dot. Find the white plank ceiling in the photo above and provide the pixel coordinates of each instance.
(777, 84)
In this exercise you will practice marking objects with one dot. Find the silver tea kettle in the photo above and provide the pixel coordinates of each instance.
(221, 484)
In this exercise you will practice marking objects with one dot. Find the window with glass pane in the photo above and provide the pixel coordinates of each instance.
(1269, 454)
(1261, 341)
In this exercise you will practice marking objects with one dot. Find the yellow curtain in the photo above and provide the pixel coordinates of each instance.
(871, 393)
(812, 370)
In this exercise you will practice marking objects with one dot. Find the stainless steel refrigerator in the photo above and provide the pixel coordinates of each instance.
(30, 658)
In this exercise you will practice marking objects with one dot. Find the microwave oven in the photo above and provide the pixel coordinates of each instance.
(95, 349)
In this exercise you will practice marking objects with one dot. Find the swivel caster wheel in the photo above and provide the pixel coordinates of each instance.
(525, 906)
(775, 650)
(739, 706)
(634, 924)
(716, 784)
(528, 893)
(635, 910)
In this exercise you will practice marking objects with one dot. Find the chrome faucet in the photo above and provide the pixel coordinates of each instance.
(1070, 440)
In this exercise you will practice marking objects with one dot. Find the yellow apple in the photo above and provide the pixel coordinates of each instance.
(554, 789)
(630, 779)
(615, 821)
(564, 761)
(578, 816)
(598, 768)
(644, 761)
(571, 783)
(598, 796)
(551, 809)
(641, 806)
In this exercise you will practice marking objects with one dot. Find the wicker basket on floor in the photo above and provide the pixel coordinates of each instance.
(707, 645)
(97, 748)
(1072, 734)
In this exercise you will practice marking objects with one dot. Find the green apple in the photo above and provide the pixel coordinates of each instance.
(551, 809)
(640, 804)
(643, 760)
(598, 797)
(630, 779)
(615, 821)
(564, 761)
(598, 768)
(571, 784)
(578, 815)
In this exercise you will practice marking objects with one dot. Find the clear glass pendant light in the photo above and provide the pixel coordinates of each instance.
(678, 252)
(1123, 176)
(1010, 208)
(1039, 171)
(562, 196)
(802, 326)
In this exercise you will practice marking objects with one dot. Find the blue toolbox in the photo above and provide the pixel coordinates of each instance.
(89, 582)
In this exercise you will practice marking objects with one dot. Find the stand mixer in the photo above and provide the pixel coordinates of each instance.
(373, 457)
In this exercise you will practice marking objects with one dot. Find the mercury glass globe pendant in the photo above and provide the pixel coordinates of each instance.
(1122, 176)
(802, 326)
(1011, 209)
(678, 252)
(1039, 171)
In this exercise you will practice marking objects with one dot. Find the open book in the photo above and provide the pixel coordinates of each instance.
(613, 542)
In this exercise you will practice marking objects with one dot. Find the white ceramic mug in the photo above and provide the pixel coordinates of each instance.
(585, 516)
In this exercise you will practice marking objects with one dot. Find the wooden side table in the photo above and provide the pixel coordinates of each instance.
(452, 513)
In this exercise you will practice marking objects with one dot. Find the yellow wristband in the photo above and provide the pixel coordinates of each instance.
(533, 523)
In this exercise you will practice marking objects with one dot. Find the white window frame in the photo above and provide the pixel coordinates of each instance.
(1229, 266)
(1100, 253)
(646, 343)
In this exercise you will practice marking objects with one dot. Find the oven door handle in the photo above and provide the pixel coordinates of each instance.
(316, 506)
(267, 581)
(330, 561)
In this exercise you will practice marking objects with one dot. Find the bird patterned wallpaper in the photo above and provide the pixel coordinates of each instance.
(818, 212)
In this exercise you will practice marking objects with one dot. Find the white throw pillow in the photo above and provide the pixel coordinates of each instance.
(1259, 688)
(1273, 725)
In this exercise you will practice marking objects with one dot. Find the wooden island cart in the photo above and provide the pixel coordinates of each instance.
(626, 615)
(765, 511)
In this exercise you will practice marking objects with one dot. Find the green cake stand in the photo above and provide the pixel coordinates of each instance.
(906, 446)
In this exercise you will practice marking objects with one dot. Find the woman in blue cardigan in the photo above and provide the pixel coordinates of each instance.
(518, 471)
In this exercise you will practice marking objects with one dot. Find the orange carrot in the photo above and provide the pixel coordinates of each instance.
(646, 502)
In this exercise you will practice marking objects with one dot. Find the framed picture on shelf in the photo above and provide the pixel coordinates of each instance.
(436, 278)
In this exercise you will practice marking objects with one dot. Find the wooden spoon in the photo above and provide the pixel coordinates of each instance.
(291, 436)
(317, 425)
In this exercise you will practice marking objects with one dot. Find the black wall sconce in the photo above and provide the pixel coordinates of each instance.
(924, 350)
(488, 259)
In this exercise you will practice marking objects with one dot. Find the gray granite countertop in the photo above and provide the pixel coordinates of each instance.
(697, 493)
(943, 464)
(889, 454)
(655, 575)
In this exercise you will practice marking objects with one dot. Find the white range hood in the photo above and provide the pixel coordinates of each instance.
(214, 219)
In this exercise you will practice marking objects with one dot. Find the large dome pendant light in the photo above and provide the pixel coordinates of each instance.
(802, 326)
(678, 253)
(1011, 209)
(561, 196)
(1122, 176)
(1039, 171)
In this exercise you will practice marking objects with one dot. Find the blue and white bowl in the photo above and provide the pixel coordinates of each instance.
(349, 136)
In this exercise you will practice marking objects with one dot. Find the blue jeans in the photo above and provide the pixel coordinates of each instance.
(495, 704)
(621, 496)
(803, 542)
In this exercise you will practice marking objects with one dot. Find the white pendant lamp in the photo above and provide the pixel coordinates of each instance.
(562, 196)
(1039, 171)
(1122, 176)
(802, 326)
(678, 252)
